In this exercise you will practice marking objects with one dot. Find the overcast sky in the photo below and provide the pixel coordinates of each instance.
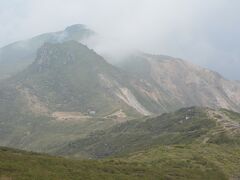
(206, 32)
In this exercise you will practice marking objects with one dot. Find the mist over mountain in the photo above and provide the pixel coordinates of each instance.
(17, 56)
(205, 33)
(69, 76)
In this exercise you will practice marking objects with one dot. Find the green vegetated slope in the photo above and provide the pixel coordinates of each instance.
(22, 165)
(192, 161)
(186, 126)
(164, 162)
(205, 145)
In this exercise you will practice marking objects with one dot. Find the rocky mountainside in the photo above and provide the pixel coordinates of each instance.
(70, 77)
(174, 83)
(17, 56)
(151, 84)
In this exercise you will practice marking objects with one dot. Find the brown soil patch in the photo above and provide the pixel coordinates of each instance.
(69, 116)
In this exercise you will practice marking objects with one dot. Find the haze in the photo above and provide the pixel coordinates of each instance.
(205, 32)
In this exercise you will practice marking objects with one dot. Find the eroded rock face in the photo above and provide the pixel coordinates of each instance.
(174, 83)
(124, 94)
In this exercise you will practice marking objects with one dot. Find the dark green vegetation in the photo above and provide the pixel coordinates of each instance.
(186, 126)
(193, 161)
(22, 165)
(164, 162)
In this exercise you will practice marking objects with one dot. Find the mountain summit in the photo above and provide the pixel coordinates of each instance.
(17, 56)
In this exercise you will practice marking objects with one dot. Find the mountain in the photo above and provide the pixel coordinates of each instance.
(70, 77)
(151, 116)
(173, 83)
(191, 143)
(17, 56)
(153, 83)
(68, 92)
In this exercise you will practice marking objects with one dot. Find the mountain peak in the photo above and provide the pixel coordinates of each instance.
(17, 56)
(60, 55)
(75, 27)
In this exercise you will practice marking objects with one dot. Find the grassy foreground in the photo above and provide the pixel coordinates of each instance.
(162, 162)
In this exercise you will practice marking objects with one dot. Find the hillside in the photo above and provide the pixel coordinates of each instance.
(163, 162)
(19, 165)
(202, 161)
(185, 126)
(17, 56)
(206, 146)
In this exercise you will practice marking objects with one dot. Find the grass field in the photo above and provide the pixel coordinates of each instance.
(163, 162)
